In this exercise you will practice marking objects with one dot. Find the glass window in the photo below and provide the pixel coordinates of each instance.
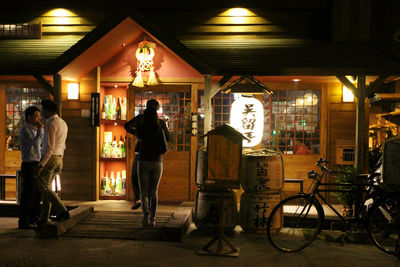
(17, 100)
(291, 119)
(175, 111)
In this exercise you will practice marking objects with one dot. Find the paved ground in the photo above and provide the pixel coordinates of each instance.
(22, 248)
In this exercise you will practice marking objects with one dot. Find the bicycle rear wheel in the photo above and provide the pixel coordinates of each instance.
(383, 223)
(294, 223)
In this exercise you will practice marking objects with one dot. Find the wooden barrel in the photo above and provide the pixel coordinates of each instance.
(262, 170)
(207, 210)
(255, 209)
(201, 167)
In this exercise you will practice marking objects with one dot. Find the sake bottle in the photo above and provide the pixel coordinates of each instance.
(123, 109)
(107, 185)
(123, 182)
(112, 183)
(118, 109)
(118, 182)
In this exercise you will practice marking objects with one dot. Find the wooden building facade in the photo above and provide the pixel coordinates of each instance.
(294, 48)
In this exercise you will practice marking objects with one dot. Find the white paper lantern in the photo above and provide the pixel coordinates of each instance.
(247, 116)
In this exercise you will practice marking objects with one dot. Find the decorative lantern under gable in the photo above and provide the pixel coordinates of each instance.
(145, 54)
(247, 116)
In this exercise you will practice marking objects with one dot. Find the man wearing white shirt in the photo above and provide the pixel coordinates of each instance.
(53, 147)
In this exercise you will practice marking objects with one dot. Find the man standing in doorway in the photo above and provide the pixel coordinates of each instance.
(30, 140)
(55, 134)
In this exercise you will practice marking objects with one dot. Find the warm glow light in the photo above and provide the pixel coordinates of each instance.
(247, 116)
(73, 91)
(60, 12)
(56, 184)
(238, 12)
(347, 95)
(61, 16)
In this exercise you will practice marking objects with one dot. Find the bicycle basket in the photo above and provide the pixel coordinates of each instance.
(391, 166)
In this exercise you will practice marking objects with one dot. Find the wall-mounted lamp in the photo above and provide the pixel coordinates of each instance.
(73, 91)
(347, 95)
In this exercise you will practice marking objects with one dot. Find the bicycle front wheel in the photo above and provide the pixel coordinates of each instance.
(383, 224)
(294, 223)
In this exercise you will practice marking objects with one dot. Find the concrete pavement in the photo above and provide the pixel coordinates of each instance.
(23, 248)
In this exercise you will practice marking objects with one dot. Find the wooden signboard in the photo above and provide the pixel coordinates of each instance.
(224, 146)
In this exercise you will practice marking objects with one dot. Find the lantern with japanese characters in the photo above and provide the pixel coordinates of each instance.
(145, 54)
(247, 117)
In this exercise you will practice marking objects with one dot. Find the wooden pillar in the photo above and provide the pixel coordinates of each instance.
(57, 92)
(96, 148)
(193, 146)
(207, 103)
(361, 141)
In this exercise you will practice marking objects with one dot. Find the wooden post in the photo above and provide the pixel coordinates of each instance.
(207, 103)
(57, 92)
(193, 146)
(360, 160)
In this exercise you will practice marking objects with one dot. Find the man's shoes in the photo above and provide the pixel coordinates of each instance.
(62, 217)
(136, 205)
(25, 225)
(72, 207)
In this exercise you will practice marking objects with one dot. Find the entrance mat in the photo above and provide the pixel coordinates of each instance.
(121, 225)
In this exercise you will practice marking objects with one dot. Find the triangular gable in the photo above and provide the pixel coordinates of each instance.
(167, 63)
(116, 41)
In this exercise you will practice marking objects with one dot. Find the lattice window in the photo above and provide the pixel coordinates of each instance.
(291, 119)
(175, 111)
(221, 105)
(21, 31)
(18, 99)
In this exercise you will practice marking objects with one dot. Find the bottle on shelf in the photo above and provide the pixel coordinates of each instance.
(113, 149)
(114, 109)
(107, 185)
(118, 184)
(123, 182)
(108, 102)
(122, 147)
(103, 110)
(103, 183)
(112, 183)
(123, 108)
(118, 109)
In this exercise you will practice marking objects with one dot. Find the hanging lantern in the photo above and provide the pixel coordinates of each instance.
(247, 116)
(144, 55)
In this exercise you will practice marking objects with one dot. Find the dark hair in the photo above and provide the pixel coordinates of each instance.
(30, 111)
(49, 105)
(152, 103)
(150, 125)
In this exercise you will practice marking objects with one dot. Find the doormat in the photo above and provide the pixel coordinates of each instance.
(120, 225)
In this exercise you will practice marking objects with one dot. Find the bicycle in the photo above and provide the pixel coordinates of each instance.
(297, 220)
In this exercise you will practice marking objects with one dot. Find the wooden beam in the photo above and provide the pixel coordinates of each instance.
(349, 85)
(375, 84)
(47, 86)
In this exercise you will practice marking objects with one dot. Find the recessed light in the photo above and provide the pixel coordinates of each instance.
(296, 80)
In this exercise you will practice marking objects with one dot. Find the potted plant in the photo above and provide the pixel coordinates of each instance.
(346, 175)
